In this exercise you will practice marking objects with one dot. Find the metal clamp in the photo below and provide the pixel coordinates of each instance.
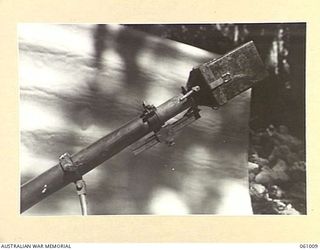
(150, 116)
(167, 132)
(68, 165)
(148, 111)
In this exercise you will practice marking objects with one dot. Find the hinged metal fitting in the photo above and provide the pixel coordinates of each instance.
(81, 187)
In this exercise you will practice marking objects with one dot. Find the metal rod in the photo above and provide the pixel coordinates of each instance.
(238, 70)
(83, 204)
(87, 159)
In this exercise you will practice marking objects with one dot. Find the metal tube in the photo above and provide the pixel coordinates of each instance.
(83, 204)
(87, 159)
(231, 74)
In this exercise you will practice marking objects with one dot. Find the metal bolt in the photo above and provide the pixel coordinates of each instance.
(194, 89)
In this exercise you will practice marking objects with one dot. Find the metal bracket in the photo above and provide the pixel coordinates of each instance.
(167, 132)
(165, 135)
(150, 116)
(148, 111)
(81, 187)
(223, 79)
(68, 165)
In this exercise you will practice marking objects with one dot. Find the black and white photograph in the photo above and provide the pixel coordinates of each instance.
(162, 119)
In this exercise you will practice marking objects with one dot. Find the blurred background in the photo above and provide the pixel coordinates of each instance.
(79, 82)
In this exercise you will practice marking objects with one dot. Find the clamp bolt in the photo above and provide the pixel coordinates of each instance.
(66, 163)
